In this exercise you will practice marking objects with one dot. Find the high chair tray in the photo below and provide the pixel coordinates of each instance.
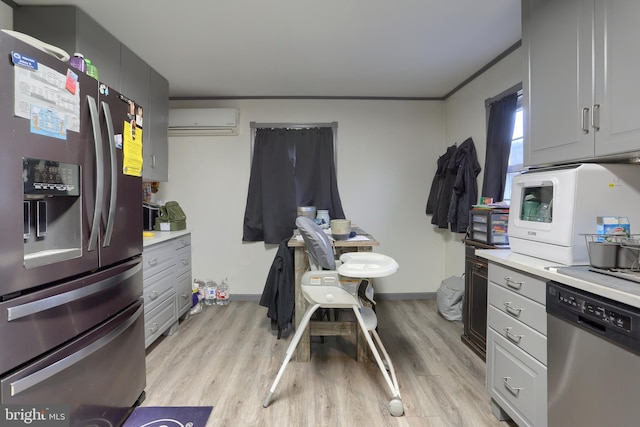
(366, 264)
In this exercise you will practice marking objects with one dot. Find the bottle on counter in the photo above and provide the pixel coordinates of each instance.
(77, 62)
(211, 290)
(222, 293)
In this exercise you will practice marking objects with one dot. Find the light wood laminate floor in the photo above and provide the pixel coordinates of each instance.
(227, 357)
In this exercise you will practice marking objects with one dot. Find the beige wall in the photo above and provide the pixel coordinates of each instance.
(386, 152)
(465, 117)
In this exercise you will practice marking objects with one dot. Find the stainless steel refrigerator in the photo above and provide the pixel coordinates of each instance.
(71, 313)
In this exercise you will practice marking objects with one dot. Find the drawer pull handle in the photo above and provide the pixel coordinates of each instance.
(513, 284)
(153, 295)
(153, 328)
(512, 337)
(153, 261)
(184, 242)
(512, 311)
(185, 295)
(185, 262)
(513, 390)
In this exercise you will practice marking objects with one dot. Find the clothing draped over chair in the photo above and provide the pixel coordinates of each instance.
(279, 290)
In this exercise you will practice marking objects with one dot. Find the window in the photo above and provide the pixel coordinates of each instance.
(516, 155)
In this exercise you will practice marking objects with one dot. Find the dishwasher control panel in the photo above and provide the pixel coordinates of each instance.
(595, 310)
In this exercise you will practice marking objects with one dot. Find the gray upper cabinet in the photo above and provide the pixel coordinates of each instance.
(580, 95)
(97, 44)
(71, 29)
(155, 153)
(74, 31)
(134, 77)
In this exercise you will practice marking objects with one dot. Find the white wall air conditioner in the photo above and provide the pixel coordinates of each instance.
(203, 121)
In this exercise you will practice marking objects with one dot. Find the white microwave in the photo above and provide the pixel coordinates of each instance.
(553, 208)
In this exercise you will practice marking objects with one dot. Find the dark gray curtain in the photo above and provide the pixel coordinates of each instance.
(290, 168)
(502, 116)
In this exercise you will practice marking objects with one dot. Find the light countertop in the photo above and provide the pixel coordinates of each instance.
(625, 292)
(161, 236)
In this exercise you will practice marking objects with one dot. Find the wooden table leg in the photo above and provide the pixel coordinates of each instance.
(303, 350)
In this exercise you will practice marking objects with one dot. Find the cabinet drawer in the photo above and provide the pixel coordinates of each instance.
(518, 307)
(184, 293)
(157, 289)
(517, 382)
(520, 335)
(182, 241)
(159, 320)
(157, 258)
(183, 260)
(519, 282)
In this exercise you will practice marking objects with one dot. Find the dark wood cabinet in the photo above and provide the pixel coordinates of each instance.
(474, 312)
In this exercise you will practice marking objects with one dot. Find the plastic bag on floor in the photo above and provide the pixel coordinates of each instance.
(449, 298)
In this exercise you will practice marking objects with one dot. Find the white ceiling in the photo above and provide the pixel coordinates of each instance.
(303, 48)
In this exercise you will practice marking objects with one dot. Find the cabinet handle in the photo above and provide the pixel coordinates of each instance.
(513, 390)
(595, 117)
(512, 337)
(153, 261)
(153, 161)
(511, 310)
(584, 127)
(513, 284)
(185, 295)
(153, 295)
(153, 328)
(185, 262)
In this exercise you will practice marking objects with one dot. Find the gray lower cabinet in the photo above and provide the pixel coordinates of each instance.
(182, 274)
(580, 91)
(517, 346)
(166, 285)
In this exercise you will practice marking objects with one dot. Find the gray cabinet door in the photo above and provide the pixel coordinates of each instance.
(617, 90)
(557, 48)
(74, 31)
(134, 76)
(98, 45)
(155, 148)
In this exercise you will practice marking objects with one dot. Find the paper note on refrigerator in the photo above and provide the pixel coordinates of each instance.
(46, 88)
(132, 150)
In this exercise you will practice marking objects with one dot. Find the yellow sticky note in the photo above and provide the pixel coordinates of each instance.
(132, 150)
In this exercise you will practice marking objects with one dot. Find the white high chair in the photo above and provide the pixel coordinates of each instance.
(322, 287)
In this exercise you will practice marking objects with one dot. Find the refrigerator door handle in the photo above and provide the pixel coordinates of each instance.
(38, 306)
(97, 137)
(44, 374)
(114, 176)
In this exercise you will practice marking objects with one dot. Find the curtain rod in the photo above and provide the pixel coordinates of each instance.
(513, 89)
(256, 125)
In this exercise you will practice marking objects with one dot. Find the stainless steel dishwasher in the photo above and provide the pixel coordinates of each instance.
(593, 354)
